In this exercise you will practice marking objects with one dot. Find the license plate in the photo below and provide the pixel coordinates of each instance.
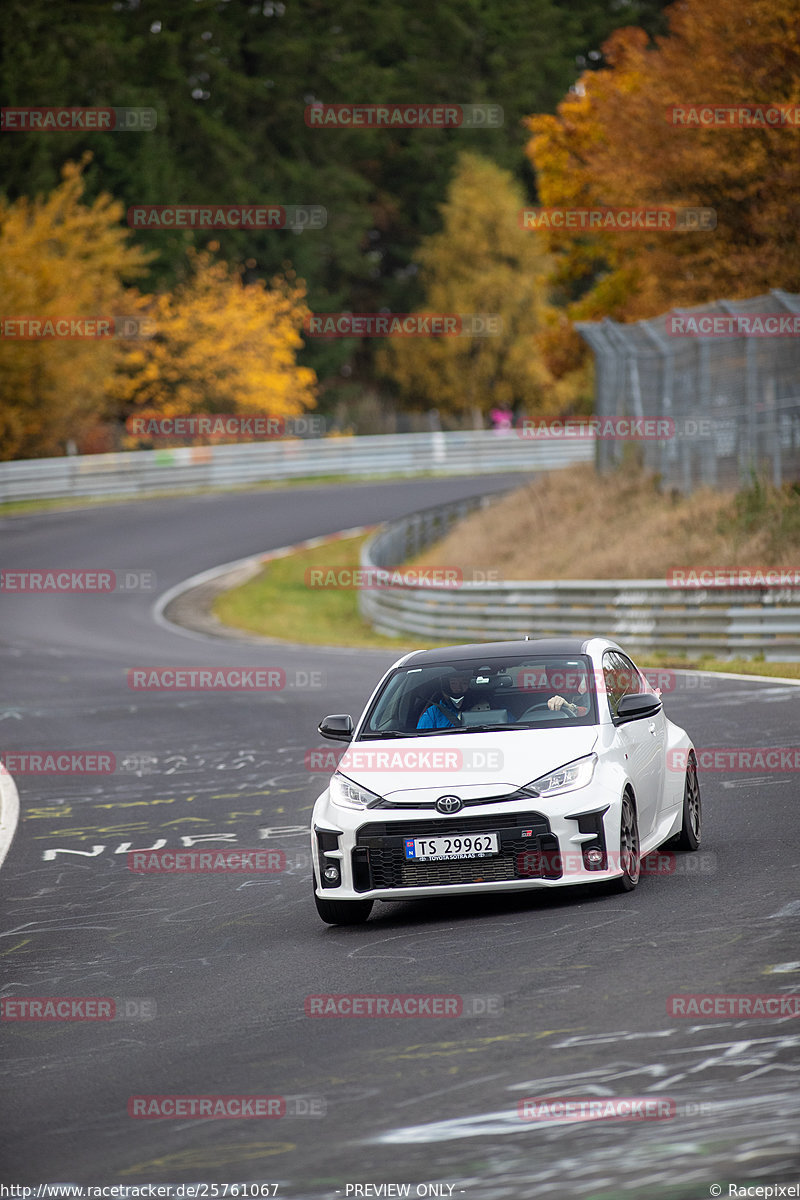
(454, 845)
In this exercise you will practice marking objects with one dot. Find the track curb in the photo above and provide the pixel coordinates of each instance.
(9, 812)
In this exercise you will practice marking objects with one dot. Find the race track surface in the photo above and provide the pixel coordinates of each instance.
(221, 965)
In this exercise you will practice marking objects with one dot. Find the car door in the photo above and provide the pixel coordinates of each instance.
(642, 740)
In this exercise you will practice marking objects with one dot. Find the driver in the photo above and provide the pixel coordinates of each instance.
(445, 710)
(573, 683)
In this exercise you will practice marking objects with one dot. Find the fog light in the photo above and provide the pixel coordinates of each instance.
(594, 857)
(331, 874)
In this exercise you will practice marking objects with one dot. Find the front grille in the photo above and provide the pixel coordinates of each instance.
(469, 802)
(452, 825)
(379, 860)
(478, 870)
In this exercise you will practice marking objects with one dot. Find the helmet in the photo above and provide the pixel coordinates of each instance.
(454, 673)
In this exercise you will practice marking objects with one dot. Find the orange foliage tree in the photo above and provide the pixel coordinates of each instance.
(614, 142)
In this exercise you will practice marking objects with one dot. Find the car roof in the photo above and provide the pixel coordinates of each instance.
(450, 654)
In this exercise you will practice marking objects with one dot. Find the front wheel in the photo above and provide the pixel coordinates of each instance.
(343, 912)
(628, 847)
(689, 836)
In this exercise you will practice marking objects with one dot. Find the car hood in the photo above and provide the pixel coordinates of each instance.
(469, 765)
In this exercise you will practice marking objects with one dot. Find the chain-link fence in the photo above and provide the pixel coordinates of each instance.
(723, 379)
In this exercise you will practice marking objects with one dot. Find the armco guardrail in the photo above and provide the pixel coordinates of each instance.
(645, 615)
(138, 472)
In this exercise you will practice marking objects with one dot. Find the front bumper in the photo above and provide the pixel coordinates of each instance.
(537, 849)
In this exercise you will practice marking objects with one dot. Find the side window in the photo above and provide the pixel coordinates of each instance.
(630, 676)
(621, 678)
(611, 679)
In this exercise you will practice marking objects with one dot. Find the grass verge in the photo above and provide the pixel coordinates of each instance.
(278, 603)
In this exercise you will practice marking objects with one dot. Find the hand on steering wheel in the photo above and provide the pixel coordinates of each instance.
(529, 713)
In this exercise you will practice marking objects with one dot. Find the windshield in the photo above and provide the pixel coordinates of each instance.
(524, 692)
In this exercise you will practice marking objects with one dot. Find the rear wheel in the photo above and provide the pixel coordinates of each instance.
(628, 847)
(343, 912)
(690, 834)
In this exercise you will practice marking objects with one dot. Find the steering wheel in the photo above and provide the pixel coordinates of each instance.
(558, 712)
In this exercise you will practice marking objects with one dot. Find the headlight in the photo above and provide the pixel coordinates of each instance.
(347, 794)
(566, 779)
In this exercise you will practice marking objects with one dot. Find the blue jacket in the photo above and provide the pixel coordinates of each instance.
(436, 716)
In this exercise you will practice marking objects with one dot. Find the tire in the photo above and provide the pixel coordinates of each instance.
(628, 847)
(691, 830)
(343, 912)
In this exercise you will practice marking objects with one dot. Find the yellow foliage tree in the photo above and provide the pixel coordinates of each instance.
(482, 261)
(60, 257)
(220, 346)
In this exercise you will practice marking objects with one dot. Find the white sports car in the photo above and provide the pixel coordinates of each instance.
(498, 767)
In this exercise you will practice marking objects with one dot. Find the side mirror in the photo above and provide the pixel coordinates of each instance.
(338, 727)
(631, 708)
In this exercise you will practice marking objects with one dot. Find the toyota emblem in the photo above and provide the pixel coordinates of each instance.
(449, 804)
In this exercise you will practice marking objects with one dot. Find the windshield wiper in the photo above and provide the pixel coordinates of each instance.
(488, 728)
(383, 733)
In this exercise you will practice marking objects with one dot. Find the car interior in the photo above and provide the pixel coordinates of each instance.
(496, 696)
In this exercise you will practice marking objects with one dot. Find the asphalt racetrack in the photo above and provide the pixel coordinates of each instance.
(211, 972)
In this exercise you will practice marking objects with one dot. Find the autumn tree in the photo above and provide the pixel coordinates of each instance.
(614, 142)
(59, 258)
(480, 262)
(230, 82)
(219, 345)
